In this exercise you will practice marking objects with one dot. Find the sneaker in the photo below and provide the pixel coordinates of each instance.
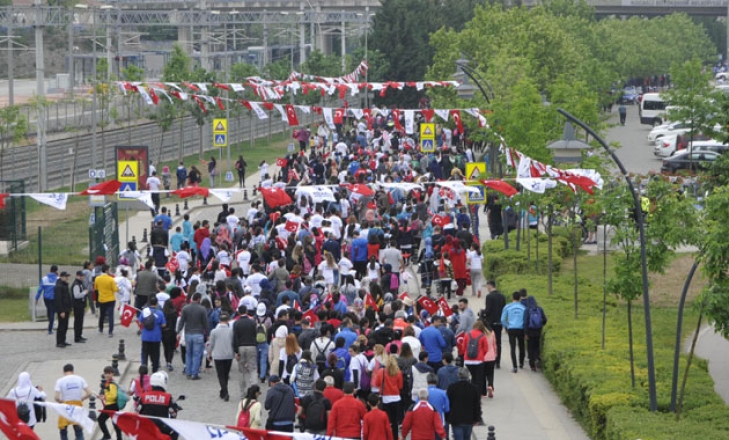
(490, 392)
(79, 341)
(60, 345)
(195, 378)
(111, 335)
(514, 370)
(67, 344)
(50, 332)
(534, 369)
(170, 367)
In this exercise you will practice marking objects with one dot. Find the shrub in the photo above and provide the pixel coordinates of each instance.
(515, 262)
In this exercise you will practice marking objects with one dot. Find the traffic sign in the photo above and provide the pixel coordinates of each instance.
(126, 187)
(220, 126)
(101, 174)
(92, 174)
(291, 147)
(475, 170)
(127, 171)
(427, 145)
(474, 199)
(220, 140)
(427, 131)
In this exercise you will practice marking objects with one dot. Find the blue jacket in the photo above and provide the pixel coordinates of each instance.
(447, 375)
(154, 335)
(449, 337)
(433, 343)
(439, 400)
(47, 287)
(348, 335)
(344, 354)
(512, 317)
(334, 248)
(359, 249)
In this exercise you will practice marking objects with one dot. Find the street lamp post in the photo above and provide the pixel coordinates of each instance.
(643, 258)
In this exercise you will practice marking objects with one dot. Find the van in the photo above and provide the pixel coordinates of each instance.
(652, 109)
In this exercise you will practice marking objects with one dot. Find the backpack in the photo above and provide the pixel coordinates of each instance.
(260, 333)
(291, 361)
(23, 409)
(341, 364)
(121, 398)
(365, 381)
(315, 415)
(535, 319)
(472, 349)
(244, 418)
(394, 282)
(321, 357)
(149, 321)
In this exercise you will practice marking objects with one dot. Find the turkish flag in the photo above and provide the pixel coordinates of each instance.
(583, 182)
(291, 115)
(396, 119)
(311, 315)
(291, 226)
(262, 434)
(127, 315)
(297, 306)
(154, 96)
(428, 304)
(281, 162)
(427, 114)
(370, 302)
(368, 117)
(456, 114)
(500, 186)
(275, 197)
(136, 426)
(339, 116)
(2, 199)
(403, 296)
(102, 189)
(219, 101)
(443, 304)
(460, 337)
(190, 191)
(274, 216)
(360, 189)
(10, 423)
(441, 220)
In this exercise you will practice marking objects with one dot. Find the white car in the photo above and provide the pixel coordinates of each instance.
(667, 129)
(665, 146)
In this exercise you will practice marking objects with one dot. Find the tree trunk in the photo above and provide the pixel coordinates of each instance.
(181, 148)
(549, 249)
(679, 325)
(604, 283)
(518, 233)
(688, 362)
(161, 146)
(630, 344)
(200, 133)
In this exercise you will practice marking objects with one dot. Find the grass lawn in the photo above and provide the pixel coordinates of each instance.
(65, 233)
(14, 304)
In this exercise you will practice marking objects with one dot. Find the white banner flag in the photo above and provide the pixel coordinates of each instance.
(524, 169)
(190, 430)
(409, 121)
(304, 108)
(224, 195)
(258, 110)
(143, 196)
(282, 110)
(57, 200)
(357, 113)
(202, 86)
(76, 414)
(145, 95)
(328, 117)
(237, 87)
(458, 187)
(318, 194)
(536, 185)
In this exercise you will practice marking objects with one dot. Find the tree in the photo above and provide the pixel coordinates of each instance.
(177, 69)
(13, 127)
(131, 73)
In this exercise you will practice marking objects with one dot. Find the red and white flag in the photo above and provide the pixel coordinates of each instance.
(281, 162)
(456, 115)
(403, 296)
(290, 226)
(291, 115)
(311, 315)
(136, 426)
(127, 314)
(339, 116)
(370, 302)
(460, 337)
(10, 423)
(297, 306)
(444, 307)
(428, 304)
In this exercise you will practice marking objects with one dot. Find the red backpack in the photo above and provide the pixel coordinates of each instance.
(244, 418)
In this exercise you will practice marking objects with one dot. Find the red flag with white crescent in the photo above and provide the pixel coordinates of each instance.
(428, 304)
(291, 115)
(291, 226)
(127, 314)
(427, 114)
(403, 296)
(460, 337)
(444, 307)
(311, 315)
(10, 423)
(456, 114)
(371, 303)
(339, 116)
(281, 162)
(396, 119)
(368, 117)
(136, 426)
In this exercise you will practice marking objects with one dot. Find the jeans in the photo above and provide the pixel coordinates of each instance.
(195, 345)
(262, 352)
(516, 336)
(102, 423)
(50, 312)
(461, 432)
(150, 351)
(106, 310)
(77, 430)
(477, 377)
(222, 368)
(79, 308)
(533, 347)
(247, 367)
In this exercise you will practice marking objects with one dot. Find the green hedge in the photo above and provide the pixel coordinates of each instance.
(595, 383)
(498, 262)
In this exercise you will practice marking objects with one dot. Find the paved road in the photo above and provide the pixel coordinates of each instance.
(636, 152)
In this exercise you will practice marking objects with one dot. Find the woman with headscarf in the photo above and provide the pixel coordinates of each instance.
(26, 392)
(458, 261)
(426, 264)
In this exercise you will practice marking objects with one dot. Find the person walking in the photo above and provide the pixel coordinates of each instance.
(315, 409)
(474, 347)
(374, 426)
(71, 390)
(280, 406)
(26, 392)
(169, 335)
(194, 320)
(347, 414)
(146, 285)
(212, 170)
(434, 344)
(240, 166)
(390, 382)
(423, 420)
(465, 402)
(151, 321)
(489, 361)
(154, 185)
(534, 320)
(78, 292)
(623, 111)
(512, 318)
(221, 351)
(181, 173)
(438, 399)
(474, 261)
(466, 318)
(495, 303)
(108, 397)
(304, 375)
(244, 345)
(106, 289)
(250, 406)
(47, 288)
(63, 303)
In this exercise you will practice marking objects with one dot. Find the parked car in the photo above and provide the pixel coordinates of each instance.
(666, 129)
(665, 146)
(688, 162)
(684, 139)
(629, 96)
(710, 145)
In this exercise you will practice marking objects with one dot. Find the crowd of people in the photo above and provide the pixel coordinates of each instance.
(312, 297)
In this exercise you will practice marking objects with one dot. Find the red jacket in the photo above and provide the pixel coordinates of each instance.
(393, 384)
(333, 394)
(424, 421)
(345, 418)
(483, 346)
(377, 426)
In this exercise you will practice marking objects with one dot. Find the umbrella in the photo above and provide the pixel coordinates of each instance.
(190, 191)
(102, 189)
(275, 197)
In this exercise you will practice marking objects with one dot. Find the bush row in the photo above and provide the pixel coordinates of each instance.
(532, 256)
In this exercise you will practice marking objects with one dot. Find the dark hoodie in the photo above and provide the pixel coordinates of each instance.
(447, 375)
(531, 303)
(280, 403)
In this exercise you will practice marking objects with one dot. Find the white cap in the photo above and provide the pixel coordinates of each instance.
(261, 309)
(247, 289)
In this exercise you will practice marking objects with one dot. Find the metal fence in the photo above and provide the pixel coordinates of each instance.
(12, 216)
(104, 234)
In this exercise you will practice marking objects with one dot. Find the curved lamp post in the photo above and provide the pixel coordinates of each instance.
(643, 259)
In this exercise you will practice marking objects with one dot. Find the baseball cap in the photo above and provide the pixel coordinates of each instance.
(274, 378)
(261, 309)
(64, 274)
(79, 273)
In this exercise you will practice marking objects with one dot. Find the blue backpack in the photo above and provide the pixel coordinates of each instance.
(535, 319)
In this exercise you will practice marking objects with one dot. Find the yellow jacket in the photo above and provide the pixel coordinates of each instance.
(110, 393)
(106, 287)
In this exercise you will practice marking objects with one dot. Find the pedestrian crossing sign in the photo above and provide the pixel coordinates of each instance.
(220, 140)
(125, 188)
(476, 199)
(427, 131)
(475, 170)
(427, 145)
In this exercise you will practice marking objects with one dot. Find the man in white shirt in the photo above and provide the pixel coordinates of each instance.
(254, 280)
(154, 184)
(232, 220)
(341, 148)
(252, 212)
(71, 390)
(248, 300)
(336, 225)
(316, 219)
(243, 259)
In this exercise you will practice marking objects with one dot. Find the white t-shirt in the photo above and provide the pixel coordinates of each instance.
(183, 259)
(358, 363)
(71, 387)
(153, 183)
(476, 260)
(125, 289)
(327, 272)
(254, 282)
(345, 265)
(336, 226)
(224, 258)
(373, 274)
(282, 356)
(251, 214)
(341, 148)
(232, 221)
(414, 345)
(315, 221)
(249, 301)
(244, 261)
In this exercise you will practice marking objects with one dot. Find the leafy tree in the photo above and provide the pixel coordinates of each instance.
(131, 73)
(13, 127)
(278, 70)
(104, 97)
(199, 115)
(240, 71)
(177, 69)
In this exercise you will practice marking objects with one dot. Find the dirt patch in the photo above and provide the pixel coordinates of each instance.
(665, 289)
